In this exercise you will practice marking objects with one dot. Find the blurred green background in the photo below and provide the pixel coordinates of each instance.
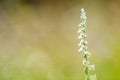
(38, 39)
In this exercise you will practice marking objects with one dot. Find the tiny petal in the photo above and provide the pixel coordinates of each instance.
(80, 25)
(78, 31)
(79, 44)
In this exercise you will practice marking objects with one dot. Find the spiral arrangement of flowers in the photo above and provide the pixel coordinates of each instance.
(88, 68)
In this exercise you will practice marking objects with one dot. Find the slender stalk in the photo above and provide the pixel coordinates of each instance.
(83, 48)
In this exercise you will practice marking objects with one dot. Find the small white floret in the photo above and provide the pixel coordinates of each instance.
(92, 67)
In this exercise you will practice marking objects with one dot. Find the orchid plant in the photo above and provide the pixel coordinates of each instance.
(88, 68)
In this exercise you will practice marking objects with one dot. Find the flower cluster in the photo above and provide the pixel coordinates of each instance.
(83, 48)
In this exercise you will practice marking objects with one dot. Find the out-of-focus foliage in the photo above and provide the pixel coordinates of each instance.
(38, 39)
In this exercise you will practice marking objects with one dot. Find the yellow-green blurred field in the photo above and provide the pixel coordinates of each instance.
(38, 39)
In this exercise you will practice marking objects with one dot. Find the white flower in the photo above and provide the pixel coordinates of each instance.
(83, 17)
(82, 48)
(82, 10)
(87, 53)
(81, 36)
(93, 77)
(79, 31)
(92, 67)
(85, 62)
(83, 14)
(79, 44)
(82, 42)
